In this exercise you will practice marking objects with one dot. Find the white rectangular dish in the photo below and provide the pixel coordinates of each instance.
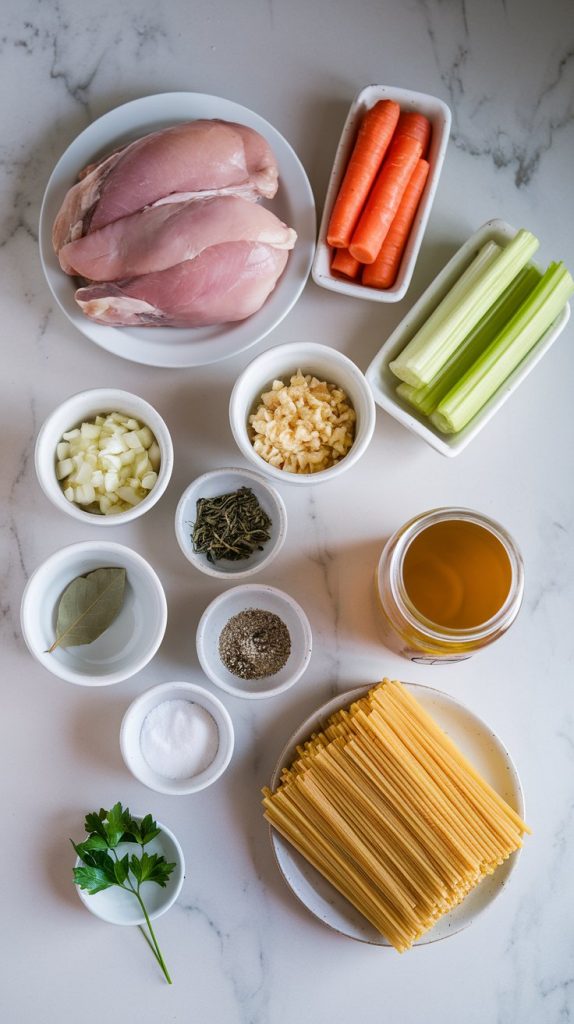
(384, 383)
(439, 116)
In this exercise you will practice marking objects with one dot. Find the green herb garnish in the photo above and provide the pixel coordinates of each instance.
(230, 526)
(88, 607)
(102, 867)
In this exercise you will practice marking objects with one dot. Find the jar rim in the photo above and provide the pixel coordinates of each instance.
(408, 609)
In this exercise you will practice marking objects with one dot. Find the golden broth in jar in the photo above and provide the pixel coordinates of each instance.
(450, 581)
(456, 574)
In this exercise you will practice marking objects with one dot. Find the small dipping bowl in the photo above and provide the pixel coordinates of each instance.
(84, 407)
(117, 906)
(239, 599)
(126, 646)
(224, 481)
(131, 727)
(281, 363)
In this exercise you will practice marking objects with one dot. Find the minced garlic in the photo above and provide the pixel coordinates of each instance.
(303, 427)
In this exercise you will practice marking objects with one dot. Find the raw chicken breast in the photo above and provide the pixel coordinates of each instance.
(187, 158)
(162, 236)
(224, 283)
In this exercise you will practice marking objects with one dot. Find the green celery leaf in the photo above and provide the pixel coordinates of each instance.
(93, 879)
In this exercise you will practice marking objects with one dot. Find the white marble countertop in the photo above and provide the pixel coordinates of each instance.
(241, 949)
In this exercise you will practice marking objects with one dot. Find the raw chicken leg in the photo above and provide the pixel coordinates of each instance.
(162, 236)
(224, 283)
(187, 158)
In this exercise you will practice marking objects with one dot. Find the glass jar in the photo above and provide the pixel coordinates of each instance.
(407, 631)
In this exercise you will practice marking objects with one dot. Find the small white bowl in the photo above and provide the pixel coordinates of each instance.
(384, 383)
(440, 118)
(85, 406)
(238, 599)
(224, 481)
(280, 363)
(126, 646)
(131, 727)
(117, 906)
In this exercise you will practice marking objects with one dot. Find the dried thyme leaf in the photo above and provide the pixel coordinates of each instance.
(230, 526)
(88, 607)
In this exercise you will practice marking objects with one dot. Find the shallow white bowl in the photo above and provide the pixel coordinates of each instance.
(117, 906)
(126, 646)
(440, 118)
(239, 599)
(224, 481)
(131, 728)
(170, 346)
(384, 383)
(85, 406)
(281, 362)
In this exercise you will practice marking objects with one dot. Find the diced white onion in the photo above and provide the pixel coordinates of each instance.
(110, 463)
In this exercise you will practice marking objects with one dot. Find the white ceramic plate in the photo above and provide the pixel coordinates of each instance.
(116, 906)
(169, 346)
(384, 383)
(440, 118)
(487, 754)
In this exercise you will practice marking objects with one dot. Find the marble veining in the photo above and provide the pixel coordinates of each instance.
(241, 949)
(485, 122)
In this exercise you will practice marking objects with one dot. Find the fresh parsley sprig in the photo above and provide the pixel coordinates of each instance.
(102, 867)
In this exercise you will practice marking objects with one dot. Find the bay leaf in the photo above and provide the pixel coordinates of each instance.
(88, 607)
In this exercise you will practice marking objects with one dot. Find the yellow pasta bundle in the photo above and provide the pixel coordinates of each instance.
(385, 806)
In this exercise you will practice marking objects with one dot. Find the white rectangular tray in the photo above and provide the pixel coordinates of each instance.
(384, 383)
(439, 116)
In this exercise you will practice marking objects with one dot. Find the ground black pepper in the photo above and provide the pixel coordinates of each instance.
(254, 644)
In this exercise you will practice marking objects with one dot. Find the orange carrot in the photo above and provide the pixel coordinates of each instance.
(344, 264)
(383, 272)
(418, 127)
(383, 202)
(374, 136)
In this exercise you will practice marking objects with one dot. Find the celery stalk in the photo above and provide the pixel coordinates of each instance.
(503, 355)
(485, 258)
(448, 325)
(426, 399)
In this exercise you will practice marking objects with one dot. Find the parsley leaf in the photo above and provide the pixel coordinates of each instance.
(93, 879)
(102, 867)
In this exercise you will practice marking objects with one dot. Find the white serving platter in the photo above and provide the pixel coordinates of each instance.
(384, 383)
(169, 346)
(488, 755)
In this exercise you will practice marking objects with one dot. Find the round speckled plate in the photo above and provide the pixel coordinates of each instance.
(170, 346)
(489, 756)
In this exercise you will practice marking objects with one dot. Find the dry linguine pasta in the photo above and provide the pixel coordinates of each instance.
(384, 805)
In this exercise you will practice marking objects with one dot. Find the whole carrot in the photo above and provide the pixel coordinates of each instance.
(343, 263)
(418, 126)
(383, 203)
(383, 272)
(374, 136)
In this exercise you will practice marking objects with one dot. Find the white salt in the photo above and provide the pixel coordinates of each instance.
(179, 739)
